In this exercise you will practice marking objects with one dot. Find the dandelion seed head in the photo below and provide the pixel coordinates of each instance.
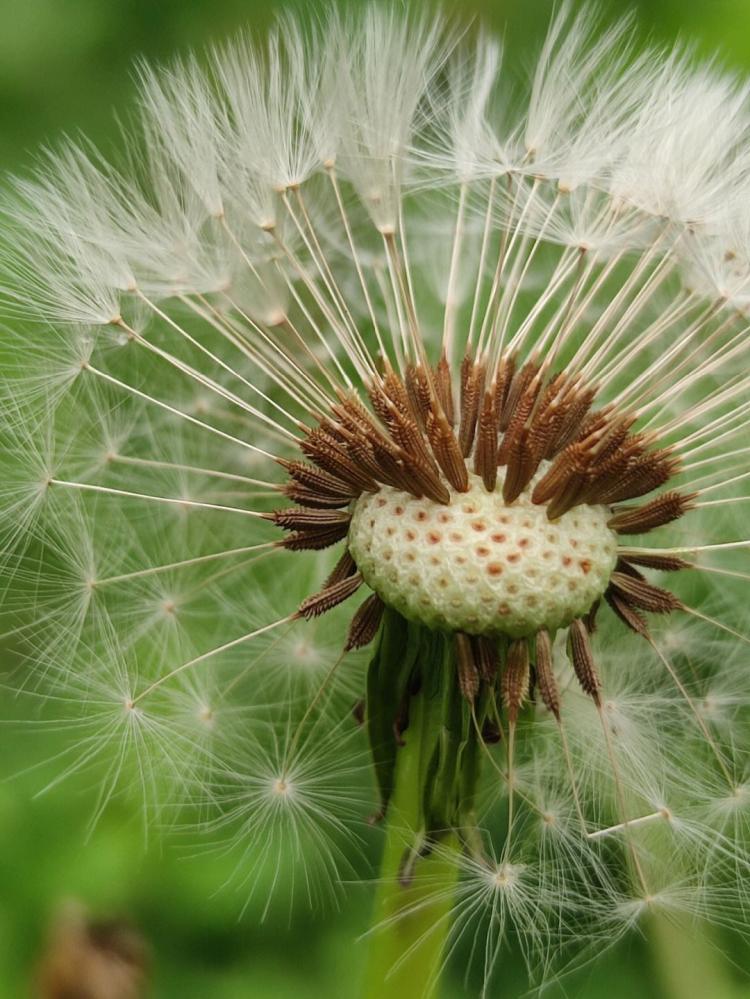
(360, 353)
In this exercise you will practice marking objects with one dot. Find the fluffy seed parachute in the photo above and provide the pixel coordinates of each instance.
(350, 293)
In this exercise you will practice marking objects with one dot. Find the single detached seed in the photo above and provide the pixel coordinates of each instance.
(514, 583)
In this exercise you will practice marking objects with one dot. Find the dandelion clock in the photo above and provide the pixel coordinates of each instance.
(375, 464)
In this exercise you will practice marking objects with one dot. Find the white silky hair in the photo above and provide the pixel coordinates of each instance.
(287, 216)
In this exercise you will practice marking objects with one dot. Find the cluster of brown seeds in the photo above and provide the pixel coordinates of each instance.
(542, 430)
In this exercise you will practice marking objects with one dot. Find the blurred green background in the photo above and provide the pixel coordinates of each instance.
(65, 65)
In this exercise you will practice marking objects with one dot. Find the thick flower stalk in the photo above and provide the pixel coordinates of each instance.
(352, 295)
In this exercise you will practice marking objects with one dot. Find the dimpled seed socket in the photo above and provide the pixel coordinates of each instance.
(479, 566)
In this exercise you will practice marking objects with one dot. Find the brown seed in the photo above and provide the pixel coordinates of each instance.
(515, 682)
(583, 661)
(468, 672)
(516, 390)
(329, 597)
(444, 389)
(299, 518)
(332, 458)
(486, 658)
(317, 480)
(446, 451)
(485, 456)
(666, 563)
(308, 497)
(315, 539)
(644, 595)
(365, 623)
(657, 512)
(628, 614)
(472, 388)
(345, 566)
(545, 674)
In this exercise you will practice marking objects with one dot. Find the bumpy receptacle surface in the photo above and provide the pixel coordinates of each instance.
(478, 565)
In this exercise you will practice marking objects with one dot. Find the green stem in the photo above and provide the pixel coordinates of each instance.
(406, 953)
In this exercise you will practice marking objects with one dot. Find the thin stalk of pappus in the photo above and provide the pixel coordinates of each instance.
(663, 268)
(580, 297)
(227, 495)
(557, 323)
(280, 355)
(241, 250)
(522, 249)
(331, 172)
(681, 305)
(730, 424)
(228, 570)
(176, 501)
(293, 374)
(733, 573)
(413, 345)
(561, 325)
(731, 388)
(727, 501)
(254, 271)
(602, 328)
(633, 552)
(291, 749)
(318, 298)
(345, 333)
(204, 656)
(315, 250)
(511, 748)
(329, 276)
(451, 294)
(209, 383)
(505, 251)
(684, 693)
(597, 278)
(599, 282)
(394, 296)
(510, 742)
(724, 353)
(620, 796)
(566, 265)
(393, 320)
(271, 425)
(239, 677)
(322, 340)
(271, 435)
(504, 775)
(641, 820)
(560, 274)
(153, 570)
(715, 622)
(722, 456)
(341, 336)
(598, 364)
(734, 386)
(176, 412)
(404, 255)
(702, 482)
(501, 252)
(123, 459)
(721, 485)
(486, 235)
